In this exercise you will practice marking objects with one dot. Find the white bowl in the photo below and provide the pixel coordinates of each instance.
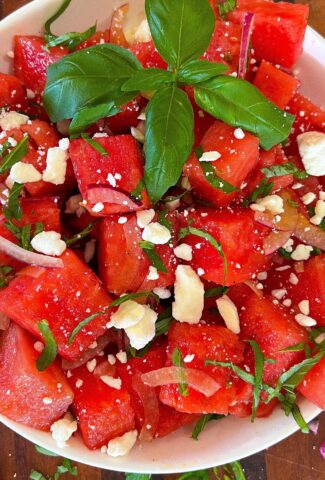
(222, 441)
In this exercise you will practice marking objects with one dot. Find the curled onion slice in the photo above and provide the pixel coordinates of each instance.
(308, 233)
(244, 44)
(26, 256)
(198, 380)
(110, 195)
(149, 400)
(275, 240)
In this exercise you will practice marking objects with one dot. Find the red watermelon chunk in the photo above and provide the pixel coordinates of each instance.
(33, 398)
(313, 386)
(64, 297)
(12, 93)
(147, 55)
(103, 412)
(109, 180)
(205, 342)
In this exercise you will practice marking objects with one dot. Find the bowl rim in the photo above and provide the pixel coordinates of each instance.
(310, 411)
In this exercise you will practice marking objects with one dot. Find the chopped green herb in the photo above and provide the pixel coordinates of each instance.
(150, 251)
(226, 6)
(284, 169)
(44, 451)
(178, 361)
(13, 210)
(216, 291)
(34, 475)
(16, 154)
(163, 220)
(50, 351)
(137, 476)
(283, 252)
(66, 467)
(5, 272)
(96, 145)
(25, 237)
(214, 180)
(292, 203)
(137, 192)
(202, 422)
(264, 189)
(79, 236)
(259, 368)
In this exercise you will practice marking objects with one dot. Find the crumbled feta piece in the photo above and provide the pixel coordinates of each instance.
(189, 295)
(320, 208)
(156, 234)
(142, 116)
(91, 365)
(304, 307)
(128, 314)
(98, 207)
(293, 279)
(121, 446)
(24, 173)
(122, 220)
(305, 321)
(111, 359)
(153, 273)
(122, 357)
(288, 246)
(301, 252)
(10, 120)
(112, 382)
(144, 331)
(144, 217)
(200, 272)
(272, 203)
(308, 198)
(163, 293)
(189, 358)
(321, 195)
(184, 252)
(287, 302)
(312, 150)
(262, 276)
(47, 400)
(64, 143)
(49, 243)
(111, 180)
(210, 156)
(239, 134)
(229, 313)
(56, 166)
(63, 429)
(279, 293)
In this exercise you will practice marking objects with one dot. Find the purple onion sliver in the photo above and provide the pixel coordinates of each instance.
(244, 44)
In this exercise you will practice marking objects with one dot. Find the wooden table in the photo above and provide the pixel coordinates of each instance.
(296, 458)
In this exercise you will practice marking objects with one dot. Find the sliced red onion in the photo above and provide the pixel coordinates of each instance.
(198, 380)
(322, 450)
(106, 194)
(274, 241)
(264, 218)
(308, 233)
(4, 321)
(26, 256)
(244, 44)
(314, 426)
(150, 404)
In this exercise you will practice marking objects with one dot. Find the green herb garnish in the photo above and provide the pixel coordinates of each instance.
(95, 145)
(150, 251)
(50, 351)
(16, 154)
(284, 169)
(178, 361)
(202, 422)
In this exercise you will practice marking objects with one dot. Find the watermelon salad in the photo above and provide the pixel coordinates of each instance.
(162, 231)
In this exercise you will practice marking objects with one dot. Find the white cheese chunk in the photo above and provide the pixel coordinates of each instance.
(121, 446)
(229, 313)
(304, 320)
(189, 295)
(272, 203)
(56, 166)
(210, 156)
(301, 252)
(10, 120)
(112, 382)
(156, 234)
(24, 173)
(144, 331)
(304, 307)
(184, 252)
(163, 293)
(312, 150)
(127, 315)
(63, 429)
(153, 273)
(49, 243)
(144, 217)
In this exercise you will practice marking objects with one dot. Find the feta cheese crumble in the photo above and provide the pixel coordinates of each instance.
(144, 217)
(10, 120)
(24, 173)
(184, 252)
(210, 156)
(229, 313)
(49, 243)
(63, 429)
(56, 166)
(156, 234)
(121, 446)
(312, 150)
(189, 295)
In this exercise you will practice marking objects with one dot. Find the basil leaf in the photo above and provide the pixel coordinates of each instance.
(55, 16)
(214, 180)
(137, 476)
(226, 7)
(79, 236)
(296, 413)
(216, 291)
(87, 78)
(169, 139)
(202, 422)
(50, 351)
(198, 71)
(150, 251)
(66, 467)
(240, 104)
(13, 210)
(284, 169)
(137, 192)
(34, 475)
(299, 347)
(259, 367)
(26, 237)
(115, 303)
(263, 189)
(16, 154)
(90, 115)
(178, 361)
(183, 232)
(163, 220)
(237, 470)
(181, 30)
(96, 145)
(247, 377)
(148, 79)
(44, 451)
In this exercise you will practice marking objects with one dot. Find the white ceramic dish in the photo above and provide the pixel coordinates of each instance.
(223, 441)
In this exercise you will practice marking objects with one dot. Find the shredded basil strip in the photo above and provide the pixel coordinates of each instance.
(178, 361)
(284, 169)
(183, 232)
(226, 7)
(259, 367)
(202, 422)
(137, 192)
(216, 291)
(16, 154)
(263, 189)
(214, 180)
(79, 236)
(44, 451)
(13, 210)
(163, 220)
(50, 351)
(5, 271)
(96, 145)
(150, 251)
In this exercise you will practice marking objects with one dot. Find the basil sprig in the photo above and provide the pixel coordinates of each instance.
(155, 259)
(5, 272)
(284, 169)
(50, 350)
(70, 40)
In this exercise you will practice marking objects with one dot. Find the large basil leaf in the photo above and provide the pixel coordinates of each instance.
(238, 103)
(169, 139)
(198, 71)
(181, 29)
(89, 115)
(148, 79)
(87, 78)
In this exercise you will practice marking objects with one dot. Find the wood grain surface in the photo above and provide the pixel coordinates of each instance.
(296, 458)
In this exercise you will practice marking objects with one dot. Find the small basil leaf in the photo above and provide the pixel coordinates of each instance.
(202, 422)
(259, 367)
(263, 189)
(178, 361)
(13, 210)
(181, 30)
(150, 251)
(214, 180)
(169, 139)
(183, 232)
(284, 169)
(148, 79)
(26, 237)
(87, 78)
(137, 192)
(79, 236)
(44, 451)
(226, 6)
(299, 347)
(216, 291)
(90, 115)
(50, 351)
(137, 476)
(198, 71)
(95, 145)
(34, 475)
(16, 154)
(240, 104)
(196, 475)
